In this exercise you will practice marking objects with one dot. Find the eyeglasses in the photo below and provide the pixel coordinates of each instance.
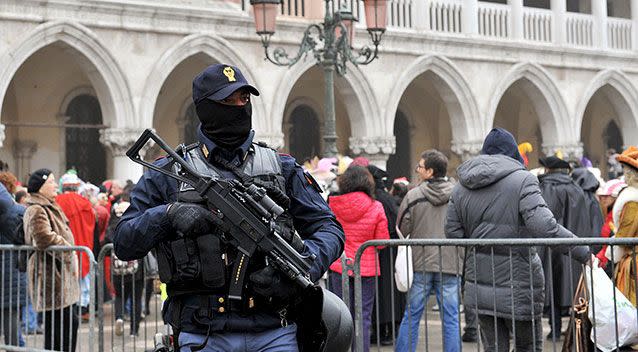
(418, 166)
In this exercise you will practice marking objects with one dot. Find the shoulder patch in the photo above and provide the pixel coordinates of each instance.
(312, 182)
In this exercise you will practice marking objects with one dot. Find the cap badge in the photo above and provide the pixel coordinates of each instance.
(230, 73)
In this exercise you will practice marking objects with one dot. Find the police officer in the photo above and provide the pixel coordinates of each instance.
(167, 215)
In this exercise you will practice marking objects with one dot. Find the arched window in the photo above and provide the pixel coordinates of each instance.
(190, 125)
(399, 163)
(83, 151)
(304, 133)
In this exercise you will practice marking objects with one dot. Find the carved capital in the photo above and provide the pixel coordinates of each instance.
(24, 150)
(373, 146)
(119, 140)
(273, 140)
(466, 150)
(569, 150)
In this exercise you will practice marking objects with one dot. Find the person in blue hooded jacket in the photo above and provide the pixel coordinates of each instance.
(496, 197)
(164, 213)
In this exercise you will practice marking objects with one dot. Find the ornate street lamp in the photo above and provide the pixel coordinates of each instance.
(330, 43)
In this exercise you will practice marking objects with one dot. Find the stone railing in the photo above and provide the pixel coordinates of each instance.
(494, 20)
(619, 33)
(579, 29)
(537, 25)
(489, 20)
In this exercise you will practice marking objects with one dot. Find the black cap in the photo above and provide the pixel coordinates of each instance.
(554, 162)
(37, 179)
(219, 81)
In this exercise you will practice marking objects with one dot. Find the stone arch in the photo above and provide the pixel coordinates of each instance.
(545, 96)
(455, 92)
(210, 45)
(623, 96)
(104, 72)
(363, 112)
(83, 90)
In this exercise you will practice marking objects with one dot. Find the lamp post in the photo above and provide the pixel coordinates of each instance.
(330, 43)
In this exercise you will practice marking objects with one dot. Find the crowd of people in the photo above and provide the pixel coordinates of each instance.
(49, 292)
(496, 196)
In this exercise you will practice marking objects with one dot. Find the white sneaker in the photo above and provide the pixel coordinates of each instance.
(119, 327)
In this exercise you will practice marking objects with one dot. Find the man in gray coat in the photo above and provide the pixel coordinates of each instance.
(422, 215)
(497, 198)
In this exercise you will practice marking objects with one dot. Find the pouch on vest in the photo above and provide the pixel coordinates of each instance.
(210, 256)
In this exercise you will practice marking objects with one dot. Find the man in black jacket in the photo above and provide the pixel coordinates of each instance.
(567, 202)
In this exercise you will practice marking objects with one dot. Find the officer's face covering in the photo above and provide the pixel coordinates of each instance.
(226, 125)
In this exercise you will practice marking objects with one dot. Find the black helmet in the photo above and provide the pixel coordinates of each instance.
(324, 322)
(337, 322)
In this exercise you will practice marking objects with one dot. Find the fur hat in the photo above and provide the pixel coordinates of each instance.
(629, 157)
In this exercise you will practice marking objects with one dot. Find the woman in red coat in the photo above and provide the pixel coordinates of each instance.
(363, 219)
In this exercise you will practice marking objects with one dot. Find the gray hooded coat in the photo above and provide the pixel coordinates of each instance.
(497, 198)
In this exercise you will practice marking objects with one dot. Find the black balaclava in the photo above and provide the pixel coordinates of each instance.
(226, 125)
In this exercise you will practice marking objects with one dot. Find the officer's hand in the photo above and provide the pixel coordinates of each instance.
(270, 283)
(191, 220)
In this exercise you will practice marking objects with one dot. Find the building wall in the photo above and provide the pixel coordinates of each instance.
(139, 62)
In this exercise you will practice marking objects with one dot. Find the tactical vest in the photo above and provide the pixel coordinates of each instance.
(203, 265)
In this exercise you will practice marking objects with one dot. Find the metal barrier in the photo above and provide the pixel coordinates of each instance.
(514, 251)
(49, 270)
(132, 291)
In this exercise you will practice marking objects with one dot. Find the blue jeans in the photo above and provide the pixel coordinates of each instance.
(275, 340)
(448, 301)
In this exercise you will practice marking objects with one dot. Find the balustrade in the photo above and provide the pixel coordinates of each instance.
(494, 20)
(400, 13)
(537, 25)
(619, 33)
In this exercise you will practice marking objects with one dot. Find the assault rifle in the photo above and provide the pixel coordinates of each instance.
(248, 215)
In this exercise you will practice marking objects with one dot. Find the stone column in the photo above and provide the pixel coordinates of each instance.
(2, 134)
(570, 151)
(516, 7)
(469, 20)
(559, 8)
(376, 149)
(23, 151)
(118, 141)
(599, 10)
(466, 150)
(273, 140)
(421, 15)
(634, 25)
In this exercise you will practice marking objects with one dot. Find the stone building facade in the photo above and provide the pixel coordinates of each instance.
(81, 79)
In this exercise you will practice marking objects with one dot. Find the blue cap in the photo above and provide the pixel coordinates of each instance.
(501, 141)
(218, 82)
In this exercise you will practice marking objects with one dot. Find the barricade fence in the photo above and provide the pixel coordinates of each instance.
(42, 295)
(498, 285)
(128, 304)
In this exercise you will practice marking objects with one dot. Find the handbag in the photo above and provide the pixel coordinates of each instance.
(403, 270)
(577, 338)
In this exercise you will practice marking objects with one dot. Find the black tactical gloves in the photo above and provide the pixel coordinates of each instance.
(270, 283)
(192, 220)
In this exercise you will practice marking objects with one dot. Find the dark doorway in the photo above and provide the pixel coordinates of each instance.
(399, 163)
(84, 152)
(304, 138)
(613, 137)
(190, 127)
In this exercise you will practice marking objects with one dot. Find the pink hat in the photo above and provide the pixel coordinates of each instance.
(612, 188)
